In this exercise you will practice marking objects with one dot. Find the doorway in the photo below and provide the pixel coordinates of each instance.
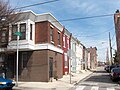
(50, 68)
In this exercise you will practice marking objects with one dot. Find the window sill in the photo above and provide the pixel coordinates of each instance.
(52, 42)
(66, 66)
(64, 46)
(59, 46)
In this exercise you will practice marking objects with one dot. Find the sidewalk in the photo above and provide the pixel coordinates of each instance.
(63, 83)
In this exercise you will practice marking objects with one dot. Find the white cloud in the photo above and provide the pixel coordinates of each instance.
(82, 7)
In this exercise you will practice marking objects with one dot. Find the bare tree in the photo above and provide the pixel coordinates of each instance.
(7, 16)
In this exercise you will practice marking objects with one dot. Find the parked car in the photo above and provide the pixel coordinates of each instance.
(115, 74)
(112, 66)
(107, 68)
(6, 84)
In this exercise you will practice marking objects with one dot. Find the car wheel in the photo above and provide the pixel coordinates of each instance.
(8, 89)
(113, 79)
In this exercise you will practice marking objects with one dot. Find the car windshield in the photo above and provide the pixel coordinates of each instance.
(1, 75)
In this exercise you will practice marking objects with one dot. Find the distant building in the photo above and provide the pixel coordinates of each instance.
(85, 58)
(66, 47)
(100, 63)
(88, 61)
(93, 57)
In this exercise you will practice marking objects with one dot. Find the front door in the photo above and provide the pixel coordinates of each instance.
(50, 67)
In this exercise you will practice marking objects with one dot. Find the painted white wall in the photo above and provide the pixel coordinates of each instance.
(79, 52)
(23, 44)
(73, 55)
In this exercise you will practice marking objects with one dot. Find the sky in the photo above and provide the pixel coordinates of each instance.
(90, 31)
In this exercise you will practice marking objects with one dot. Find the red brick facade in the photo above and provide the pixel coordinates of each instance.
(117, 30)
(93, 57)
(42, 33)
(37, 67)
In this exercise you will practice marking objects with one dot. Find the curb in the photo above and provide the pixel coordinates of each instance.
(83, 78)
(70, 88)
(32, 88)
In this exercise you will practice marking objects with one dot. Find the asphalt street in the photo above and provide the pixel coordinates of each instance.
(99, 80)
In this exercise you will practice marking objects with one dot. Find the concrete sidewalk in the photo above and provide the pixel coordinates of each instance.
(63, 83)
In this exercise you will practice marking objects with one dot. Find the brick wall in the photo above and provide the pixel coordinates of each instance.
(37, 68)
(57, 59)
(42, 33)
(117, 30)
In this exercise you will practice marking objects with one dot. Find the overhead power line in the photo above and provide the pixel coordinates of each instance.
(37, 4)
(97, 33)
(89, 17)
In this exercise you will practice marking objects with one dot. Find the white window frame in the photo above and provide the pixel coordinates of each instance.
(68, 43)
(63, 40)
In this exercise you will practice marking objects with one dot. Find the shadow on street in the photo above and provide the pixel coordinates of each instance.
(100, 77)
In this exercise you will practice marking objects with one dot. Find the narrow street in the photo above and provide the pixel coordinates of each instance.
(99, 80)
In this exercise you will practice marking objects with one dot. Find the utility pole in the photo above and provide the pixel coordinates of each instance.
(110, 49)
(107, 57)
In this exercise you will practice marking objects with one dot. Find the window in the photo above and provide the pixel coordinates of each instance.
(2, 58)
(65, 61)
(23, 31)
(30, 31)
(118, 20)
(51, 34)
(4, 36)
(14, 29)
(68, 43)
(58, 38)
(50, 66)
(64, 41)
(74, 47)
(24, 59)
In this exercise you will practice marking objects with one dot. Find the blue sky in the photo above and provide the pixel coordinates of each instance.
(91, 32)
